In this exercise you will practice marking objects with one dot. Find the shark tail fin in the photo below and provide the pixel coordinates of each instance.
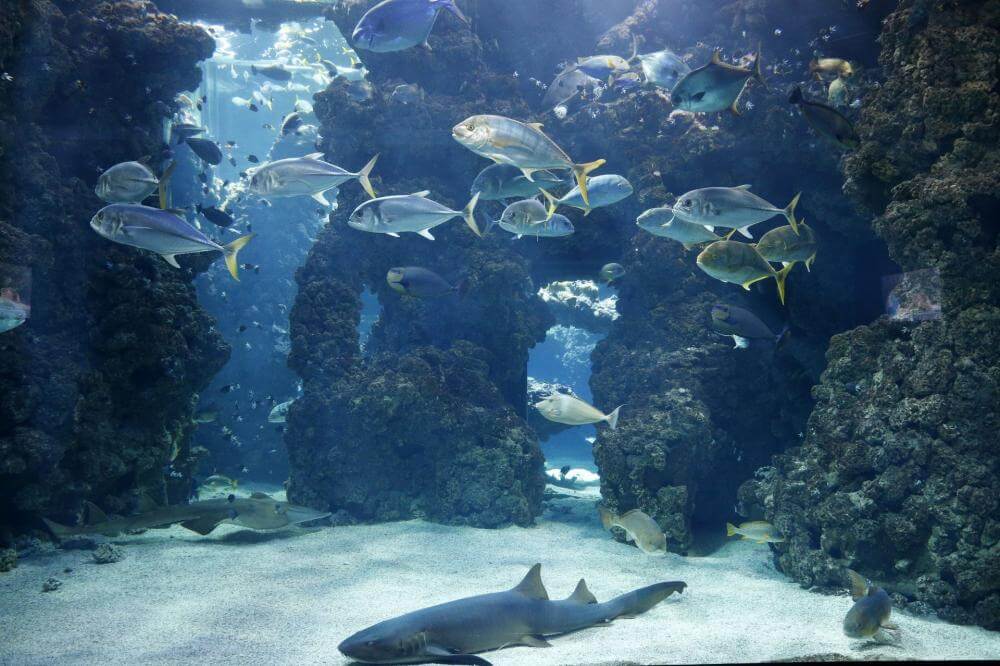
(639, 601)
(58, 530)
(232, 250)
(581, 594)
(363, 176)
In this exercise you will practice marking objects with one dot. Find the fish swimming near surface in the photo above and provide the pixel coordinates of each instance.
(611, 272)
(555, 226)
(740, 263)
(162, 232)
(730, 208)
(421, 282)
(276, 72)
(453, 632)
(603, 190)
(785, 246)
(504, 181)
(307, 176)
(395, 25)
(257, 512)
(662, 222)
(639, 528)
(413, 213)
(869, 616)
(756, 530)
(826, 120)
(744, 326)
(13, 312)
(129, 182)
(716, 86)
(568, 83)
(570, 410)
(507, 141)
(663, 68)
(206, 149)
(279, 413)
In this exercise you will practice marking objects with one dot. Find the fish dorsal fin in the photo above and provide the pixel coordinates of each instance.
(259, 495)
(145, 503)
(859, 585)
(537, 126)
(314, 156)
(531, 586)
(421, 194)
(93, 514)
(582, 595)
(742, 187)
(716, 57)
(202, 526)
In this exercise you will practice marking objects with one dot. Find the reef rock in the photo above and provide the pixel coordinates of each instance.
(578, 303)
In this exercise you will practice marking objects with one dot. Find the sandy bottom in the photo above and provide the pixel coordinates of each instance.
(289, 598)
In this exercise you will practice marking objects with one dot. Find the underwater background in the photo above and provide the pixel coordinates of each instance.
(861, 428)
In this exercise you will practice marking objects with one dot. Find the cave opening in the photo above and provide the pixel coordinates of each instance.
(241, 415)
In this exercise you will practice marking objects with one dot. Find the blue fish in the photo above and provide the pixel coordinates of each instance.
(396, 25)
(162, 232)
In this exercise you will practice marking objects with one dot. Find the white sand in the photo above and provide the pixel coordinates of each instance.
(284, 598)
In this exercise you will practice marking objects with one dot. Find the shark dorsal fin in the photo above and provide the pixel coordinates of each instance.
(859, 586)
(582, 595)
(93, 514)
(259, 495)
(531, 586)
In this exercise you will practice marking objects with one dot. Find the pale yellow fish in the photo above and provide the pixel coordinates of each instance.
(570, 410)
(757, 530)
(639, 529)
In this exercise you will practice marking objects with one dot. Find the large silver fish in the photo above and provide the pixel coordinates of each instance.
(731, 208)
(309, 176)
(556, 226)
(570, 410)
(395, 25)
(716, 86)
(739, 263)
(507, 141)
(569, 83)
(662, 222)
(128, 182)
(162, 232)
(408, 212)
(663, 69)
(604, 191)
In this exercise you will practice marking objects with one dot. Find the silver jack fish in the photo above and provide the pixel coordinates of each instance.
(129, 182)
(731, 208)
(739, 263)
(553, 227)
(507, 141)
(409, 212)
(309, 175)
(663, 69)
(570, 410)
(787, 247)
(395, 25)
(503, 181)
(662, 222)
(162, 232)
(569, 83)
(603, 191)
(716, 86)
(451, 633)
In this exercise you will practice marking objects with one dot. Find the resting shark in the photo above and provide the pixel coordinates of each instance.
(451, 633)
(257, 512)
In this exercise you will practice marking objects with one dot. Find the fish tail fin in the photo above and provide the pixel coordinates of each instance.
(730, 529)
(795, 97)
(779, 277)
(553, 203)
(613, 417)
(607, 517)
(469, 214)
(58, 530)
(635, 49)
(789, 212)
(231, 250)
(581, 171)
(162, 186)
(639, 601)
(758, 73)
(363, 176)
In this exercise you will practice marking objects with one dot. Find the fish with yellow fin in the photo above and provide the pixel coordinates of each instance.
(759, 531)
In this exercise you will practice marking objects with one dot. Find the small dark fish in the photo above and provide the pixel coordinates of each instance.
(242, 328)
(292, 122)
(254, 108)
(232, 160)
(268, 126)
(251, 267)
(204, 99)
(203, 177)
(253, 159)
(564, 470)
(421, 282)
(276, 72)
(219, 218)
(231, 144)
(229, 387)
(826, 120)
(205, 149)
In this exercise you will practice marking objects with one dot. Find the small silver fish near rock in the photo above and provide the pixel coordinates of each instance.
(639, 529)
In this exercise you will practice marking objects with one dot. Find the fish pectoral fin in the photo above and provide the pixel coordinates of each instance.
(171, 259)
(426, 234)
(535, 641)
(392, 233)
(320, 199)
(745, 232)
(202, 526)
(709, 227)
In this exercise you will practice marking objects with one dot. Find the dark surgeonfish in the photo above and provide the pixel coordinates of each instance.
(216, 216)
(869, 616)
(716, 86)
(395, 25)
(826, 120)
(206, 149)
(744, 326)
(453, 632)
(257, 512)
(421, 282)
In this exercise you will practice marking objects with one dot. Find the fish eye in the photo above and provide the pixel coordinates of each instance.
(687, 203)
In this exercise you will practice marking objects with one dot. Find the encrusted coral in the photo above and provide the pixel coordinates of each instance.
(108, 553)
